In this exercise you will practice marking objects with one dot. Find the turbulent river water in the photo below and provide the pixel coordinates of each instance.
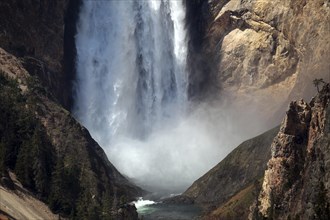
(131, 92)
(150, 210)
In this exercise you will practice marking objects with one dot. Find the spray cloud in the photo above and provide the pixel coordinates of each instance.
(131, 93)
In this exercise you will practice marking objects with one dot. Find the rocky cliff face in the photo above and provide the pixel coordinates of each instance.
(52, 154)
(260, 52)
(42, 34)
(297, 180)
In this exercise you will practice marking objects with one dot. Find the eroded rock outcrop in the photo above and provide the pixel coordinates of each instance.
(263, 53)
(297, 180)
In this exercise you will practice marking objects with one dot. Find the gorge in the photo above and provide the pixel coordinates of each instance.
(131, 93)
(103, 102)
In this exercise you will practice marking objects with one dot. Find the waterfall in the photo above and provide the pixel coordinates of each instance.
(131, 91)
(131, 58)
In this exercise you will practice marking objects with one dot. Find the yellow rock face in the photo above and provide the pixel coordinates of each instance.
(268, 52)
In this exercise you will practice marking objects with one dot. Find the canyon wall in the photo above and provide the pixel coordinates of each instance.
(258, 52)
(41, 34)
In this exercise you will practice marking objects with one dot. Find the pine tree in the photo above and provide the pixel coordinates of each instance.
(23, 168)
(65, 188)
(106, 204)
(2, 158)
(55, 197)
(42, 162)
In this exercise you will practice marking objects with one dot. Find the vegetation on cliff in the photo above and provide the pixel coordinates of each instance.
(52, 154)
(24, 145)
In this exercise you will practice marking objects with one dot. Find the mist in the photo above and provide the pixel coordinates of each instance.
(182, 150)
(131, 93)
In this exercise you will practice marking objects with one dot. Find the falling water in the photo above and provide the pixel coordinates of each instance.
(131, 91)
(131, 67)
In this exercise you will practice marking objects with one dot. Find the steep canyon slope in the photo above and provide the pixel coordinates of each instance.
(238, 170)
(51, 153)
